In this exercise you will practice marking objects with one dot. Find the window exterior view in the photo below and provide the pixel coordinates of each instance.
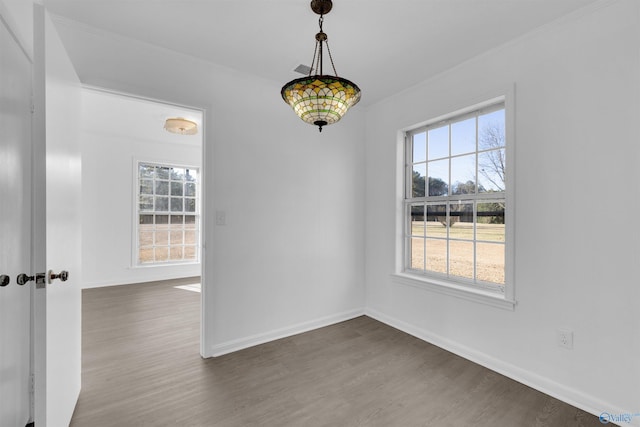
(455, 200)
(167, 211)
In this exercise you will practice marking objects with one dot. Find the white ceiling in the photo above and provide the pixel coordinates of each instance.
(383, 46)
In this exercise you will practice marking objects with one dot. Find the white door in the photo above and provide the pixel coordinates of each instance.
(56, 203)
(15, 229)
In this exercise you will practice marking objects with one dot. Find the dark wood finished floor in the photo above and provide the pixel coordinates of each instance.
(141, 367)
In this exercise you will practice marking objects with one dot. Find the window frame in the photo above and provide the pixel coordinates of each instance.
(484, 292)
(135, 258)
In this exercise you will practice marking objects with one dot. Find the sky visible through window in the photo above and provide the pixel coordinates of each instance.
(452, 158)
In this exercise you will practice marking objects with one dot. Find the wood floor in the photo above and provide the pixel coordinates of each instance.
(141, 367)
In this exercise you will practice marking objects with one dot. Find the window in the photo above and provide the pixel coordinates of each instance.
(167, 214)
(455, 200)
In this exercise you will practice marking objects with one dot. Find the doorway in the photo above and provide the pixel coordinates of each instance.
(141, 193)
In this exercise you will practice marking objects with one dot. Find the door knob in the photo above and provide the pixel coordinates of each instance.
(63, 276)
(23, 279)
(4, 280)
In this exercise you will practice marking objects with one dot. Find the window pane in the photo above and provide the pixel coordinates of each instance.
(190, 222)
(190, 189)
(438, 142)
(146, 219)
(145, 237)
(145, 171)
(490, 224)
(176, 238)
(176, 219)
(190, 205)
(177, 174)
(437, 255)
(190, 175)
(461, 259)
(162, 188)
(438, 177)
(491, 130)
(146, 186)
(417, 220)
(146, 203)
(461, 221)
(162, 172)
(418, 183)
(463, 174)
(176, 188)
(463, 137)
(490, 262)
(190, 252)
(145, 255)
(420, 147)
(176, 204)
(162, 237)
(162, 204)
(491, 171)
(162, 254)
(417, 253)
(437, 221)
(162, 221)
(190, 237)
(175, 253)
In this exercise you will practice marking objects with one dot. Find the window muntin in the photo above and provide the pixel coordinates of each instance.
(167, 214)
(455, 199)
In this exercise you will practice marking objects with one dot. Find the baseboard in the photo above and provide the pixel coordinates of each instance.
(133, 280)
(253, 340)
(561, 392)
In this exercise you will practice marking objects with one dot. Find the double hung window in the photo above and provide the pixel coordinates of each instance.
(167, 229)
(455, 200)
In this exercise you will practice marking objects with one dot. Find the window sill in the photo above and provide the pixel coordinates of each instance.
(451, 289)
(165, 264)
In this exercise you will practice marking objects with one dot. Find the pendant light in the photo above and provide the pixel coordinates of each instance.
(321, 99)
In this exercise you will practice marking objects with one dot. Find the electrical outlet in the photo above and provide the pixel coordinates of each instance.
(565, 338)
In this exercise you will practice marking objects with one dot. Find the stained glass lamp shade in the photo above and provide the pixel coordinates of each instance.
(320, 99)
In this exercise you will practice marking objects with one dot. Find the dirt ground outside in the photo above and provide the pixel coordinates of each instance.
(430, 250)
(166, 243)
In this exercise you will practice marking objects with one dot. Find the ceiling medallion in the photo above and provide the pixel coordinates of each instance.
(321, 99)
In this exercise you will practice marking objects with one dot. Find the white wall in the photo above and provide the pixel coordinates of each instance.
(117, 131)
(577, 96)
(18, 14)
(291, 256)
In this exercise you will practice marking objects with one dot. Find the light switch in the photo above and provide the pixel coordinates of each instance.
(221, 218)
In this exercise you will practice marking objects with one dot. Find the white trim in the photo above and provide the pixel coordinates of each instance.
(545, 385)
(448, 288)
(276, 334)
(502, 95)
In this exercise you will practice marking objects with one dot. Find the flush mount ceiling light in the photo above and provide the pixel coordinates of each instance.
(181, 126)
(321, 99)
